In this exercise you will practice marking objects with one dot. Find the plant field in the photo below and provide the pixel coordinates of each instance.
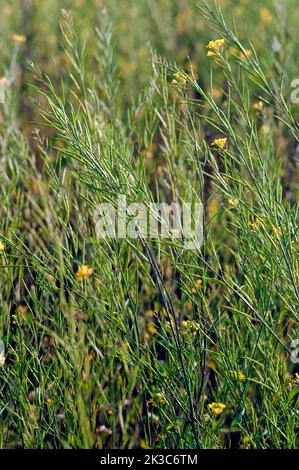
(112, 337)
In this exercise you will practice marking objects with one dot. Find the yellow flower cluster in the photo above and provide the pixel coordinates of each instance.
(179, 79)
(2, 246)
(159, 397)
(198, 285)
(214, 47)
(151, 328)
(189, 326)
(217, 408)
(236, 375)
(277, 232)
(296, 378)
(258, 106)
(256, 223)
(232, 202)
(19, 38)
(220, 143)
(265, 15)
(84, 272)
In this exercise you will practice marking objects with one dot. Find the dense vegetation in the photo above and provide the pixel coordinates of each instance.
(116, 343)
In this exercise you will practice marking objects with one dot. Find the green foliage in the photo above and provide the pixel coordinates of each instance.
(132, 353)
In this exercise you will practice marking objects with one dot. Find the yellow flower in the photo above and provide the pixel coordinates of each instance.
(256, 223)
(3, 81)
(246, 441)
(232, 202)
(19, 38)
(84, 272)
(296, 378)
(265, 15)
(236, 375)
(214, 46)
(237, 53)
(179, 79)
(189, 326)
(184, 324)
(151, 328)
(160, 398)
(248, 53)
(166, 315)
(2, 246)
(220, 143)
(258, 106)
(22, 309)
(233, 51)
(278, 232)
(143, 444)
(212, 208)
(265, 129)
(217, 408)
(198, 285)
(149, 314)
(160, 169)
(217, 93)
